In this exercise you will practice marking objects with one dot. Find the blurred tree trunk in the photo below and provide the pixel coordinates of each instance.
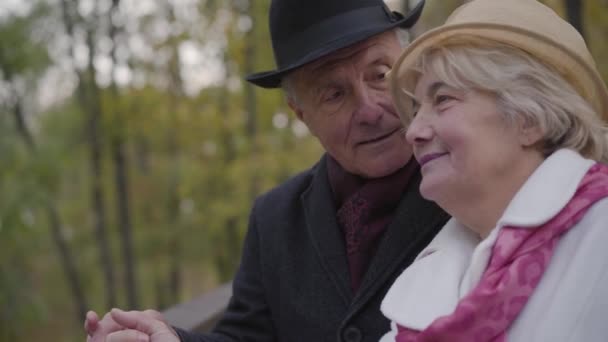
(65, 254)
(226, 257)
(20, 118)
(574, 14)
(88, 97)
(173, 216)
(173, 206)
(175, 92)
(161, 293)
(67, 261)
(95, 146)
(250, 96)
(121, 170)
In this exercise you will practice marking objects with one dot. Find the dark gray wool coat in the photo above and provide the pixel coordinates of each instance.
(293, 282)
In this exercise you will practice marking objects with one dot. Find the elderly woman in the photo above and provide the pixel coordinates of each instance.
(505, 109)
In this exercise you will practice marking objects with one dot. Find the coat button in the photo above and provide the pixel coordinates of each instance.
(352, 334)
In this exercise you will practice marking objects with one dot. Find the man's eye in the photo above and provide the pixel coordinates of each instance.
(333, 95)
(381, 74)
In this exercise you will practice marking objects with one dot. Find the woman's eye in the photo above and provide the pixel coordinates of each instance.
(441, 98)
(414, 108)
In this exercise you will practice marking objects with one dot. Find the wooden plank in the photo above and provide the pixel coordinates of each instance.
(201, 313)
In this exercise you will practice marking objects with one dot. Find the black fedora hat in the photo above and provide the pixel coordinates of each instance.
(305, 30)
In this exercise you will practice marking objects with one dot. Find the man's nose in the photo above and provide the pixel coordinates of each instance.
(368, 106)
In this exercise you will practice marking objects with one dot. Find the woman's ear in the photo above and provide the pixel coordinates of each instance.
(530, 133)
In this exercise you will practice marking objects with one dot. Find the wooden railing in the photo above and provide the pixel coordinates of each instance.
(201, 313)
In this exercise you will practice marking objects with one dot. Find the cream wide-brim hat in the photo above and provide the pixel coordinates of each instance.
(524, 24)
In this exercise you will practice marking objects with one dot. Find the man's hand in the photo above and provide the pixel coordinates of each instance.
(132, 326)
(98, 330)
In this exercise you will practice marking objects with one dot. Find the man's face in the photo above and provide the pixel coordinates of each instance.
(344, 100)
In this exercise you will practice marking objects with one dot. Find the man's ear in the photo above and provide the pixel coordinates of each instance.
(300, 115)
(296, 109)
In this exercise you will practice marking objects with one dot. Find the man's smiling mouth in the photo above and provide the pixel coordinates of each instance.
(379, 138)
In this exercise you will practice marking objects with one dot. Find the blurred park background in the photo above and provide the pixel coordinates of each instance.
(131, 149)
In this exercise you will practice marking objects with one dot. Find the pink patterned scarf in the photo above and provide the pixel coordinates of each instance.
(519, 259)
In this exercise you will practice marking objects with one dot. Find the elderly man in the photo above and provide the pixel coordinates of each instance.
(322, 248)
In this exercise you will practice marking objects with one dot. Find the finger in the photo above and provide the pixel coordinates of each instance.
(91, 322)
(128, 335)
(155, 314)
(139, 321)
(170, 331)
(105, 326)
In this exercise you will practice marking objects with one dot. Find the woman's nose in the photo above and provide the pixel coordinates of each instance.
(419, 131)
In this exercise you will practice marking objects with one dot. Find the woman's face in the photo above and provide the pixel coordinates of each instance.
(464, 144)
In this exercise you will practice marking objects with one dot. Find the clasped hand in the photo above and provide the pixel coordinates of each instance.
(129, 326)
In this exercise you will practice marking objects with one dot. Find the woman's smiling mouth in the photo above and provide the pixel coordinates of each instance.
(429, 157)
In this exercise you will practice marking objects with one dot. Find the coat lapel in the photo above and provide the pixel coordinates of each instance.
(324, 232)
(414, 225)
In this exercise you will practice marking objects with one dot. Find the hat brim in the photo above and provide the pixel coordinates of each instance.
(272, 78)
(585, 79)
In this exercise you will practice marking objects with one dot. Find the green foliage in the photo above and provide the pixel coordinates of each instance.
(19, 302)
(596, 32)
(20, 51)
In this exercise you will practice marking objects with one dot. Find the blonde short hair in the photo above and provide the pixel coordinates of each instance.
(523, 86)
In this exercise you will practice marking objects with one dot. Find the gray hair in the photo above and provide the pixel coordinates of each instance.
(288, 86)
(403, 36)
(524, 88)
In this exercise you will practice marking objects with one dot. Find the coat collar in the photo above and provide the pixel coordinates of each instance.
(548, 189)
(454, 261)
(428, 288)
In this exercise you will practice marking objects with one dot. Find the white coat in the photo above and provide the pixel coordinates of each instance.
(571, 301)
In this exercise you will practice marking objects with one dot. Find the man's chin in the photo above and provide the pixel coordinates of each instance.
(384, 166)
